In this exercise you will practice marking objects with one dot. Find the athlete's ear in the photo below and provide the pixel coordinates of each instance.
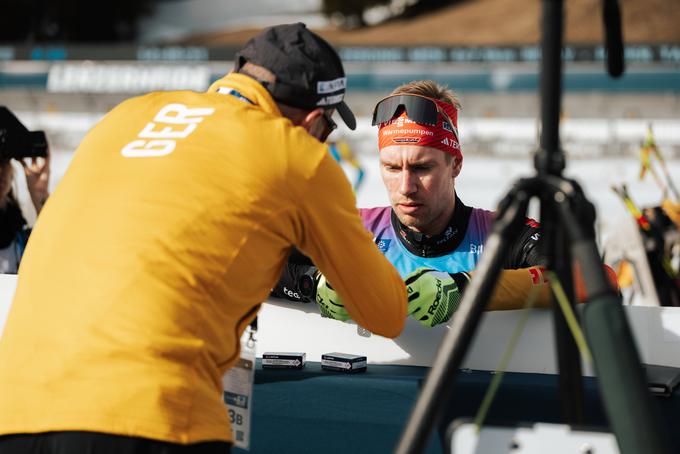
(316, 125)
(309, 121)
(457, 165)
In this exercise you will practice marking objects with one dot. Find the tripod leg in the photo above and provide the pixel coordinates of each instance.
(568, 357)
(437, 389)
(557, 253)
(634, 417)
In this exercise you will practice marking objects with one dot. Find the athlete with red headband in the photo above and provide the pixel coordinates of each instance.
(431, 237)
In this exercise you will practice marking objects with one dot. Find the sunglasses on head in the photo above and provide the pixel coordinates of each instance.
(419, 108)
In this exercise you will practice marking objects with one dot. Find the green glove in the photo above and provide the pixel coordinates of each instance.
(433, 296)
(329, 302)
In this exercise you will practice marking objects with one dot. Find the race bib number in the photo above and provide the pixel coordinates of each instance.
(238, 391)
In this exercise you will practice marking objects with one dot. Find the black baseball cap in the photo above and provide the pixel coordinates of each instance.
(309, 73)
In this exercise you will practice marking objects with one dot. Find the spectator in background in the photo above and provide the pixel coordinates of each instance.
(14, 229)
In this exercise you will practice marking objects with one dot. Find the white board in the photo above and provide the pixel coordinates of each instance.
(297, 327)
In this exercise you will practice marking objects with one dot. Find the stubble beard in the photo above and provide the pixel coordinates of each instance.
(415, 223)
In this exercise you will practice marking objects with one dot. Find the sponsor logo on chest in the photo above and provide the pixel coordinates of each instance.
(476, 248)
(383, 244)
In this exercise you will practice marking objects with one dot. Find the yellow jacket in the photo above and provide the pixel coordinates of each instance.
(171, 225)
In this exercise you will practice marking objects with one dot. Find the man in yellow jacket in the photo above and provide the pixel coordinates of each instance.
(169, 228)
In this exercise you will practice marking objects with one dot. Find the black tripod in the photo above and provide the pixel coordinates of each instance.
(568, 238)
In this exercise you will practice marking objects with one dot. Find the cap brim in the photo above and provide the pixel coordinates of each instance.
(347, 115)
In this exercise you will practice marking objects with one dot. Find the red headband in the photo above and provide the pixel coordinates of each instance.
(404, 131)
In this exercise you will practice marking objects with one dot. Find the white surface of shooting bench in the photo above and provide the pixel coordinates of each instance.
(298, 327)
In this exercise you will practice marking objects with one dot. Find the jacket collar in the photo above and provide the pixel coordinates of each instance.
(436, 245)
(249, 88)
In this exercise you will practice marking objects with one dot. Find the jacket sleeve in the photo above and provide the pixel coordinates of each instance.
(514, 287)
(333, 236)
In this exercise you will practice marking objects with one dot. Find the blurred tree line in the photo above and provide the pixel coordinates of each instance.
(351, 12)
(71, 20)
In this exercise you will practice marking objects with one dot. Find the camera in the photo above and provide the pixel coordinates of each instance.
(16, 141)
(306, 284)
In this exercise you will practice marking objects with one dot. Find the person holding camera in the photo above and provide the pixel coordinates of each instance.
(168, 230)
(14, 230)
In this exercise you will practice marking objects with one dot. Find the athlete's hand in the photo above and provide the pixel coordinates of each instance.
(433, 296)
(329, 302)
